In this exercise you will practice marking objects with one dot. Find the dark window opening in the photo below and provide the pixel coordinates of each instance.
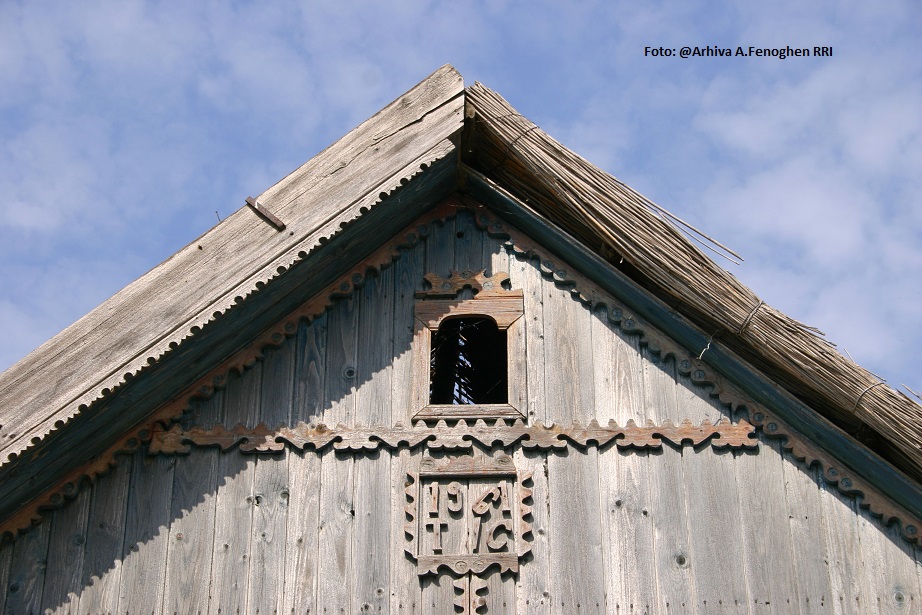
(467, 364)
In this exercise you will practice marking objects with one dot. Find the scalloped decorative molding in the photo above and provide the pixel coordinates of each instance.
(582, 288)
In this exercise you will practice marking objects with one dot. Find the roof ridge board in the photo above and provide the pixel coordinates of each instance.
(254, 322)
(440, 88)
(790, 346)
(29, 369)
(223, 226)
(206, 315)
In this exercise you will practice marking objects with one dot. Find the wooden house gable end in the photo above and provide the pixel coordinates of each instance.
(635, 521)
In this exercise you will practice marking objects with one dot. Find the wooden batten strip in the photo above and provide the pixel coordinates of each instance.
(594, 206)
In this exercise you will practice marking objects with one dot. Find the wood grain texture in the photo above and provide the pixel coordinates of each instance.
(301, 565)
(191, 538)
(714, 518)
(234, 503)
(889, 569)
(842, 550)
(767, 533)
(105, 538)
(573, 478)
(675, 578)
(405, 598)
(66, 548)
(147, 523)
(812, 567)
(268, 536)
(337, 478)
(534, 587)
(372, 538)
(118, 336)
(27, 571)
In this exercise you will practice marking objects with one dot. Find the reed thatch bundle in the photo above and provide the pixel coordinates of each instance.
(597, 209)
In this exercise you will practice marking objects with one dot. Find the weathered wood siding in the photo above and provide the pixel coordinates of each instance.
(671, 531)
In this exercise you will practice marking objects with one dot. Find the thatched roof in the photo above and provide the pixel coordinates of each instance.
(103, 375)
(602, 213)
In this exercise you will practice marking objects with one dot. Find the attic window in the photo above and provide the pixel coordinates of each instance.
(469, 353)
(468, 363)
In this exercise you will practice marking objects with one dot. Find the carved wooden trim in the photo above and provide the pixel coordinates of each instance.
(460, 436)
(479, 504)
(504, 307)
(594, 298)
(477, 281)
(583, 289)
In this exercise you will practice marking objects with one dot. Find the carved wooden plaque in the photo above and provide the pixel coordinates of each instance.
(467, 515)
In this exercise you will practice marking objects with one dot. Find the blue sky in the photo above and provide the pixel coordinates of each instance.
(125, 126)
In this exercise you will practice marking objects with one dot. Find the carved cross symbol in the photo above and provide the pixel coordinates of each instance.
(467, 518)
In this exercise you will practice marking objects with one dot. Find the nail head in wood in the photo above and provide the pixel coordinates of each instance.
(265, 214)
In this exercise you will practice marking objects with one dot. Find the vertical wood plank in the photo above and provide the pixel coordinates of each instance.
(147, 525)
(675, 579)
(625, 495)
(301, 563)
(270, 487)
(438, 593)
(889, 567)
(6, 561)
(374, 354)
(811, 569)
(104, 539)
(573, 477)
(533, 590)
(408, 274)
(234, 501)
(192, 510)
(66, 547)
(766, 546)
(337, 511)
(843, 551)
(713, 515)
(27, 570)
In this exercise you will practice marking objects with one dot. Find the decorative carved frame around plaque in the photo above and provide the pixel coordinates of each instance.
(467, 516)
(493, 301)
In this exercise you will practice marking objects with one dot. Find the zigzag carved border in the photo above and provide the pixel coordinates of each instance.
(582, 289)
(461, 436)
(589, 294)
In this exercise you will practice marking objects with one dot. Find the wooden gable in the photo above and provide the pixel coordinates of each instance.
(249, 505)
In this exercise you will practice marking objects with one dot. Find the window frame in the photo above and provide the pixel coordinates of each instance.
(506, 310)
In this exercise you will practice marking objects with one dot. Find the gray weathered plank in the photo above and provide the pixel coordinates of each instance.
(337, 511)
(438, 593)
(6, 557)
(533, 591)
(301, 563)
(804, 510)
(766, 544)
(271, 495)
(675, 579)
(889, 566)
(104, 540)
(575, 533)
(66, 549)
(191, 537)
(27, 571)
(713, 514)
(147, 524)
(234, 501)
(843, 551)
(408, 274)
(120, 334)
(374, 355)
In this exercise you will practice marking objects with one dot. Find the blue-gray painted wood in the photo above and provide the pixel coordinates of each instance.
(884, 476)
